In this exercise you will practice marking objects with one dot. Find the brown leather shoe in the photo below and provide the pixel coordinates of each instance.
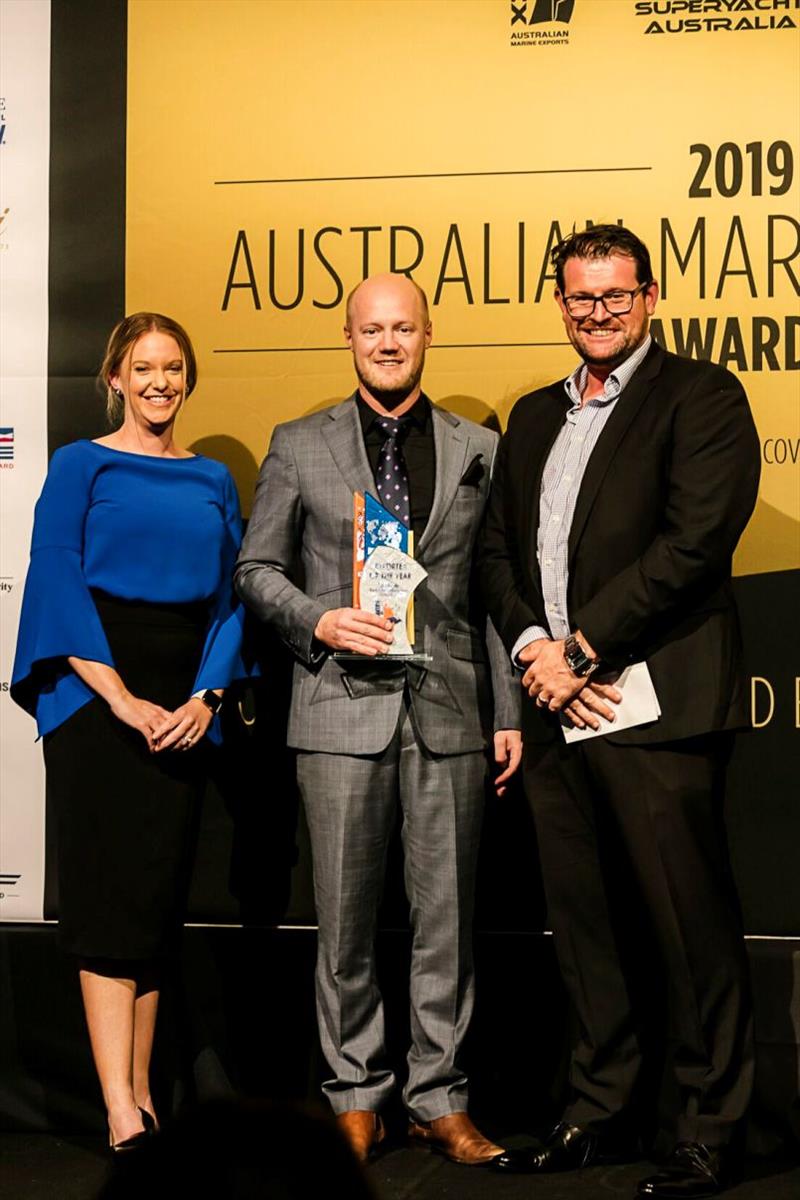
(363, 1131)
(456, 1138)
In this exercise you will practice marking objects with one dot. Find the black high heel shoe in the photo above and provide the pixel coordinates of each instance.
(149, 1121)
(137, 1140)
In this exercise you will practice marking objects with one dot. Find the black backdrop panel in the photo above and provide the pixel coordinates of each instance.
(763, 805)
(87, 206)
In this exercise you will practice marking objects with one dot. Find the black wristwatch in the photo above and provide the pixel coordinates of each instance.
(577, 659)
(211, 700)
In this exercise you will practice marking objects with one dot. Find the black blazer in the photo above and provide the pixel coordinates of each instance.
(668, 489)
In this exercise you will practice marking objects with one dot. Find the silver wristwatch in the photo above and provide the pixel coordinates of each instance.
(577, 659)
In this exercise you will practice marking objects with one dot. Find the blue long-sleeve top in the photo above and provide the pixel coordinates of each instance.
(164, 530)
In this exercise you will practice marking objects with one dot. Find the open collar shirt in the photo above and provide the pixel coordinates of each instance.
(561, 480)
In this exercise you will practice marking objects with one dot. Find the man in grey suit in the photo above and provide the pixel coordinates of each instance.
(371, 735)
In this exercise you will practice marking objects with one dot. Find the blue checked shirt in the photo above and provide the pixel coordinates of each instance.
(561, 481)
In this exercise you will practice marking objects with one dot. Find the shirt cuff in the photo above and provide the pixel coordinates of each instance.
(531, 634)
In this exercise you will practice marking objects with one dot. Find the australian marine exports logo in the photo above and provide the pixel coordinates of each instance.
(550, 18)
(717, 16)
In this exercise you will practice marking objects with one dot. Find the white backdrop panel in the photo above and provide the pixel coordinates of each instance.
(24, 188)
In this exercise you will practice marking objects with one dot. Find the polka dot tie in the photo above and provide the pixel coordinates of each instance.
(391, 475)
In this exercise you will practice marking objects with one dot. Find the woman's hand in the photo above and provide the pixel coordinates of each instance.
(131, 710)
(139, 714)
(183, 728)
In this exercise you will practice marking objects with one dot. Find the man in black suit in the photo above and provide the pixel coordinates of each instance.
(618, 498)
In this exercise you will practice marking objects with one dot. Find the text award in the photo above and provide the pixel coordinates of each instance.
(385, 572)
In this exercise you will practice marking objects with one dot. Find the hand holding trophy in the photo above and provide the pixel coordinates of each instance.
(385, 572)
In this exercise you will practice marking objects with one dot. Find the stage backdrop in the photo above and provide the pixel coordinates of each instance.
(24, 181)
(277, 152)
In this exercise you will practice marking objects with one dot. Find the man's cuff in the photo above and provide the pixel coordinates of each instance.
(531, 634)
(317, 652)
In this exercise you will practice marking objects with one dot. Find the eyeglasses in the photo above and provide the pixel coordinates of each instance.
(618, 302)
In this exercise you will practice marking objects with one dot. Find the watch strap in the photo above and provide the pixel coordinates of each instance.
(577, 659)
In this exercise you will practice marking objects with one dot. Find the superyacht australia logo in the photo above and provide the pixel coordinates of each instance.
(6, 447)
(540, 22)
(717, 16)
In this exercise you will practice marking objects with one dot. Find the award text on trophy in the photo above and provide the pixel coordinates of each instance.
(385, 572)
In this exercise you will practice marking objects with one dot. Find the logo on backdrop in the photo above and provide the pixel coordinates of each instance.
(750, 16)
(7, 447)
(549, 17)
(545, 11)
(6, 882)
(2, 120)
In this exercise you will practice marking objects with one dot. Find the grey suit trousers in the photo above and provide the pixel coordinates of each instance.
(351, 807)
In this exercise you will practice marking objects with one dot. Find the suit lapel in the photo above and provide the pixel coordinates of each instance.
(342, 432)
(625, 411)
(451, 444)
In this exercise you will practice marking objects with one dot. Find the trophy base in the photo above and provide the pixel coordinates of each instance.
(345, 655)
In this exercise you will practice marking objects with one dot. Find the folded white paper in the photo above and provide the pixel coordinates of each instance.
(638, 706)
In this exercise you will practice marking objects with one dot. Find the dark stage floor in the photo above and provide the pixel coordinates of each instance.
(45, 1167)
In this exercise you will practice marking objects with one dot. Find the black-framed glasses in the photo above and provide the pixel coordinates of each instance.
(617, 302)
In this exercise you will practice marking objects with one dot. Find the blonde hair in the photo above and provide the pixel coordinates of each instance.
(123, 338)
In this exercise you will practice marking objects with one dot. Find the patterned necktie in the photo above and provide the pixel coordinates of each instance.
(391, 474)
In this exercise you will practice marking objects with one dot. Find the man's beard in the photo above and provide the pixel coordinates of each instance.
(629, 344)
(391, 396)
(606, 360)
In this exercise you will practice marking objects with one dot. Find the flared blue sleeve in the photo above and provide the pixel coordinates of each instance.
(58, 617)
(222, 660)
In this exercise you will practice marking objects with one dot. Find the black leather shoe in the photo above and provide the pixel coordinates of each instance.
(510, 1162)
(571, 1147)
(693, 1170)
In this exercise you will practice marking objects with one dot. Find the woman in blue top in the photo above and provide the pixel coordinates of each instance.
(129, 634)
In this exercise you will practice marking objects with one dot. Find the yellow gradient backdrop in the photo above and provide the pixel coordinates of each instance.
(308, 90)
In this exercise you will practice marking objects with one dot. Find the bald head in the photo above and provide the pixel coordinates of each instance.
(389, 288)
(388, 329)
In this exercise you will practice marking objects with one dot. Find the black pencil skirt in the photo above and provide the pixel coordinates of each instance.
(126, 818)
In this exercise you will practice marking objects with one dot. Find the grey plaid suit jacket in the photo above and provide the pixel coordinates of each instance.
(296, 563)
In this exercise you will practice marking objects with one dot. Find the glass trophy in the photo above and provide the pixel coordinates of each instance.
(385, 574)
